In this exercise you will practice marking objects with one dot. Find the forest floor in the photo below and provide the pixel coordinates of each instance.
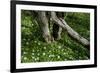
(34, 49)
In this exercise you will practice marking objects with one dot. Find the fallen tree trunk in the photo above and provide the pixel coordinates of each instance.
(61, 22)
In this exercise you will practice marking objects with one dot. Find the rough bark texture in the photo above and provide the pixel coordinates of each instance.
(44, 26)
(61, 22)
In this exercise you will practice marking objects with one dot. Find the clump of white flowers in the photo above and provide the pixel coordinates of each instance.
(32, 24)
(64, 53)
(35, 41)
(39, 43)
(51, 55)
(25, 58)
(58, 57)
(33, 57)
(49, 51)
(37, 58)
(44, 47)
(24, 52)
(44, 53)
(38, 54)
(33, 50)
(59, 47)
(32, 53)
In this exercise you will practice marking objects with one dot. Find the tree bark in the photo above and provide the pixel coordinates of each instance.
(61, 22)
(43, 22)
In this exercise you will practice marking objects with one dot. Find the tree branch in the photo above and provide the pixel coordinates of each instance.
(61, 22)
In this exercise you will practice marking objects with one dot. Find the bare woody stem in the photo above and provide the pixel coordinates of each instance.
(62, 23)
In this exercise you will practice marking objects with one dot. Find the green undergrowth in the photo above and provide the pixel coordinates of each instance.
(34, 49)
